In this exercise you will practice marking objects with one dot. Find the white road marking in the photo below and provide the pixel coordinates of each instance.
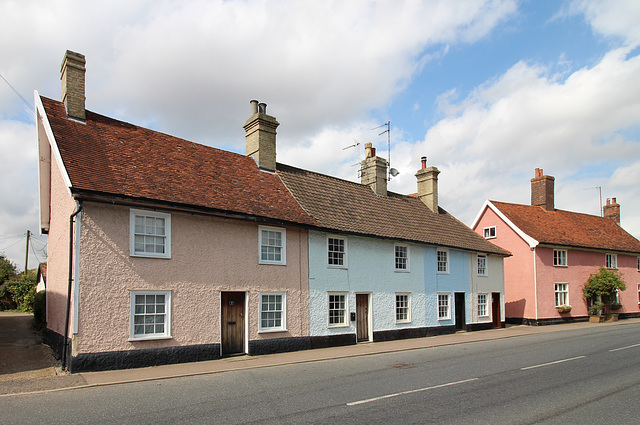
(624, 348)
(552, 363)
(354, 403)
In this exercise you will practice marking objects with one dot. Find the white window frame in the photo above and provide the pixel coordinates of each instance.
(282, 311)
(132, 233)
(447, 315)
(132, 314)
(483, 306)
(560, 258)
(345, 321)
(395, 257)
(639, 293)
(407, 307)
(345, 263)
(561, 291)
(446, 252)
(486, 265)
(283, 247)
(611, 261)
(489, 232)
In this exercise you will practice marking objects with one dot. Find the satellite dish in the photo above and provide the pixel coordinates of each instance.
(394, 172)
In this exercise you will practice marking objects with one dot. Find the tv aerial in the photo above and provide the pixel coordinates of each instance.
(392, 172)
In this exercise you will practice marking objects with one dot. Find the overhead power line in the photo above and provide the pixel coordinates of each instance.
(19, 95)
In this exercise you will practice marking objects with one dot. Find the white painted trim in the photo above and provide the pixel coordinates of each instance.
(167, 311)
(148, 213)
(283, 233)
(395, 307)
(283, 327)
(445, 250)
(408, 269)
(346, 252)
(347, 321)
(449, 299)
(76, 274)
(52, 141)
(487, 204)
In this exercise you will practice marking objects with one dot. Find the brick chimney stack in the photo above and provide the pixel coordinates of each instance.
(428, 185)
(542, 191)
(373, 171)
(72, 74)
(260, 134)
(612, 210)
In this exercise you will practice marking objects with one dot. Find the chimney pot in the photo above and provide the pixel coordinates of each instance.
(254, 107)
(262, 108)
(424, 162)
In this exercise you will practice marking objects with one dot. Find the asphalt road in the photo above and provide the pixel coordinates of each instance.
(581, 376)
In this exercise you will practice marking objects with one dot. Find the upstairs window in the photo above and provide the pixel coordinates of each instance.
(273, 245)
(559, 257)
(443, 261)
(336, 252)
(611, 261)
(489, 232)
(482, 265)
(402, 258)
(150, 234)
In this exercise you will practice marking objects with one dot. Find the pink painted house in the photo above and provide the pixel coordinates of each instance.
(553, 254)
(162, 250)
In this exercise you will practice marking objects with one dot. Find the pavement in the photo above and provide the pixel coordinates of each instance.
(27, 366)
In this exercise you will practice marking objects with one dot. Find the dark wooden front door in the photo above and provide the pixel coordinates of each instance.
(495, 309)
(362, 317)
(232, 323)
(460, 319)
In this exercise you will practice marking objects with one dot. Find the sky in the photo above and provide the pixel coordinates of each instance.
(488, 90)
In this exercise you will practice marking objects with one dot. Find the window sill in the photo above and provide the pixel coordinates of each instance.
(337, 326)
(271, 331)
(444, 318)
(404, 322)
(161, 257)
(338, 267)
(561, 265)
(266, 263)
(149, 338)
(402, 271)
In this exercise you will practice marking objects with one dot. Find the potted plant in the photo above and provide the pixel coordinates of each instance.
(563, 309)
(600, 292)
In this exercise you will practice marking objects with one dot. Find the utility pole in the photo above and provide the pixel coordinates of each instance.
(26, 255)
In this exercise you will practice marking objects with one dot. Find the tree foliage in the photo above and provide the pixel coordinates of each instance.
(601, 288)
(22, 290)
(7, 272)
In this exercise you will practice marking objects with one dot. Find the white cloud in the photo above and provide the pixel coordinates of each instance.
(580, 130)
(618, 18)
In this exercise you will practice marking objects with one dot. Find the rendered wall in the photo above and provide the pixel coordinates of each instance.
(209, 255)
(62, 206)
(519, 293)
(457, 280)
(370, 270)
(493, 282)
(580, 265)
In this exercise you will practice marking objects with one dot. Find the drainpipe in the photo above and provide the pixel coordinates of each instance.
(66, 324)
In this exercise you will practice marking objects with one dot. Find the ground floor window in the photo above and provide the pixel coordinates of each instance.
(150, 314)
(562, 294)
(272, 311)
(482, 305)
(402, 308)
(337, 309)
(444, 307)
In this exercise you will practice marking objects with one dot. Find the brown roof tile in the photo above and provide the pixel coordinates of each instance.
(568, 228)
(351, 207)
(115, 158)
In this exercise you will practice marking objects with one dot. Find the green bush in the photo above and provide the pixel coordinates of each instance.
(40, 309)
(23, 290)
(600, 291)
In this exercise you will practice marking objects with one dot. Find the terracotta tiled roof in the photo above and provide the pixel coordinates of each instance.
(568, 228)
(115, 158)
(350, 207)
